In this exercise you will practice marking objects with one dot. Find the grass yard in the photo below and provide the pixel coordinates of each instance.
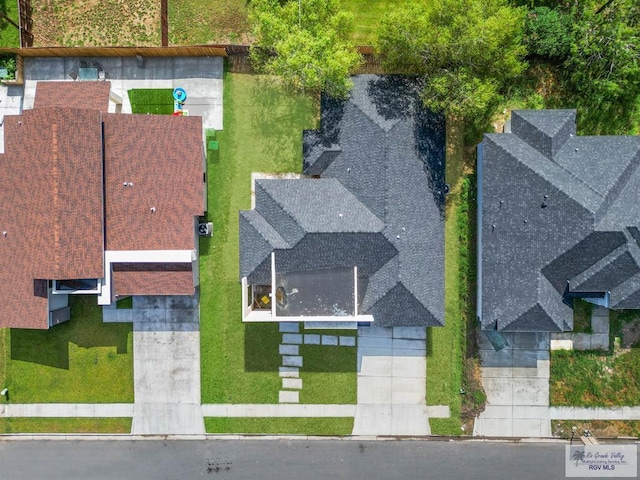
(280, 426)
(158, 101)
(597, 379)
(367, 16)
(194, 22)
(96, 23)
(329, 373)
(80, 361)
(446, 345)
(9, 35)
(262, 133)
(64, 425)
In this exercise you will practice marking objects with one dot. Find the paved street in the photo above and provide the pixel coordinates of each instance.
(278, 460)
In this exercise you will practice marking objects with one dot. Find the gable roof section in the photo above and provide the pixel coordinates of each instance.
(78, 95)
(162, 157)
(378, 205)
(553, 220)
(41, 182)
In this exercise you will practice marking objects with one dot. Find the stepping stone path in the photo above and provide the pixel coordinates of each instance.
(292, 361)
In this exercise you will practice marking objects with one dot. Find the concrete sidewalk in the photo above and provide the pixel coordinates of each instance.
(516, 381)
(61, 410)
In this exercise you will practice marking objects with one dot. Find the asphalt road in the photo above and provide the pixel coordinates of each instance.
(278, 460)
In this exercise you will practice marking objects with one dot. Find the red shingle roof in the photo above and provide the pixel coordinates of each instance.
(51, 207)
(153, 279)
(162, 156)
(85, 95)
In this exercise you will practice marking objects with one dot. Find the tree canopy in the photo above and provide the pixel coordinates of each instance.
(465, 51)
(305, 43)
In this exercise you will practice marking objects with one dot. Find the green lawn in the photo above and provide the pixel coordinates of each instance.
(9, 36)
(445, 345)
(596, 378)
(367, 16)
(263, 133)
(329, 373)
(158, 101)
(64, 425)
(283, 426)
(81, 361)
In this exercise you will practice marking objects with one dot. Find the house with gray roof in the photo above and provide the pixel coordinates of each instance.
(558, 218)
(359, 237)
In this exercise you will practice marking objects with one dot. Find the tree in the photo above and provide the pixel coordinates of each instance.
(602, 70)
(548, 33)
(305, 43)
(465, 51)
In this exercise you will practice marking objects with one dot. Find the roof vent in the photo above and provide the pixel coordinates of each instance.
(525, 221)
(340, 215)
(4, 234)
(153, 209)
(493, 227)
(398, 237)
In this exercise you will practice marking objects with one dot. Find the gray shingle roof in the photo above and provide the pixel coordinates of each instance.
(379, 204)
(554, 212)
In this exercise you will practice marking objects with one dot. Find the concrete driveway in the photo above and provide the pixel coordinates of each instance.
(166, 347)
(516, 381)
(391, 382)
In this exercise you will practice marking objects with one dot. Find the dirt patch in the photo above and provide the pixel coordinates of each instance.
(598, 428)
(96, 22)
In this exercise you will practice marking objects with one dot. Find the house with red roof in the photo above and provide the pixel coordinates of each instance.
(95, 203)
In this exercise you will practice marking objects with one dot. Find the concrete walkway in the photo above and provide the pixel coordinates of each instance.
(516, 381)
(166, 366)
(391, 382)
(61, 410)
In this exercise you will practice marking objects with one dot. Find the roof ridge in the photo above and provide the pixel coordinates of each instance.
(615, 192)
(601, 263)
(550, 180)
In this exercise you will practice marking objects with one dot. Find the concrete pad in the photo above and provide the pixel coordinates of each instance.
(600, 341)
(411, 333)
(149, 302)
(376, 366)
(529, 427)
(529, 358)
(528, 372)
(490, 427)
(409, 425)
(372, 420)
(544, 369)
(375, 342)
(347, 341)
(109, 315)
(124, 315)
(409, 367)
(171, 419)
(497, 412)
(292, 383)
(491, 358)
(289, 327)
(289, 372)
(485, 344)
(403, 344)
(311, 339)
(631, 413)
(294, 361)
(288, 349)
(600, 324)
(496, 372)
(530, 411)
(407, 391)
(181, 302)
(329, 340)
(530, 391)
(148, 318)
(530, 341)
(561, 344)
(292, 338)
(375, 332)
(374, 390)
(438, 411)
(373, 352)
(581, 341)
(498, 390)
(288, 397)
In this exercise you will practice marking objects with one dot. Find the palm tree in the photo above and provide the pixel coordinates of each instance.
(578, 455)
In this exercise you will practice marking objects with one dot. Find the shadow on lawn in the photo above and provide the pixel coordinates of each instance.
(85, 329)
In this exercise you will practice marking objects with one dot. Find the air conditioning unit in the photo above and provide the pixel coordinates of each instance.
(205, 229)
